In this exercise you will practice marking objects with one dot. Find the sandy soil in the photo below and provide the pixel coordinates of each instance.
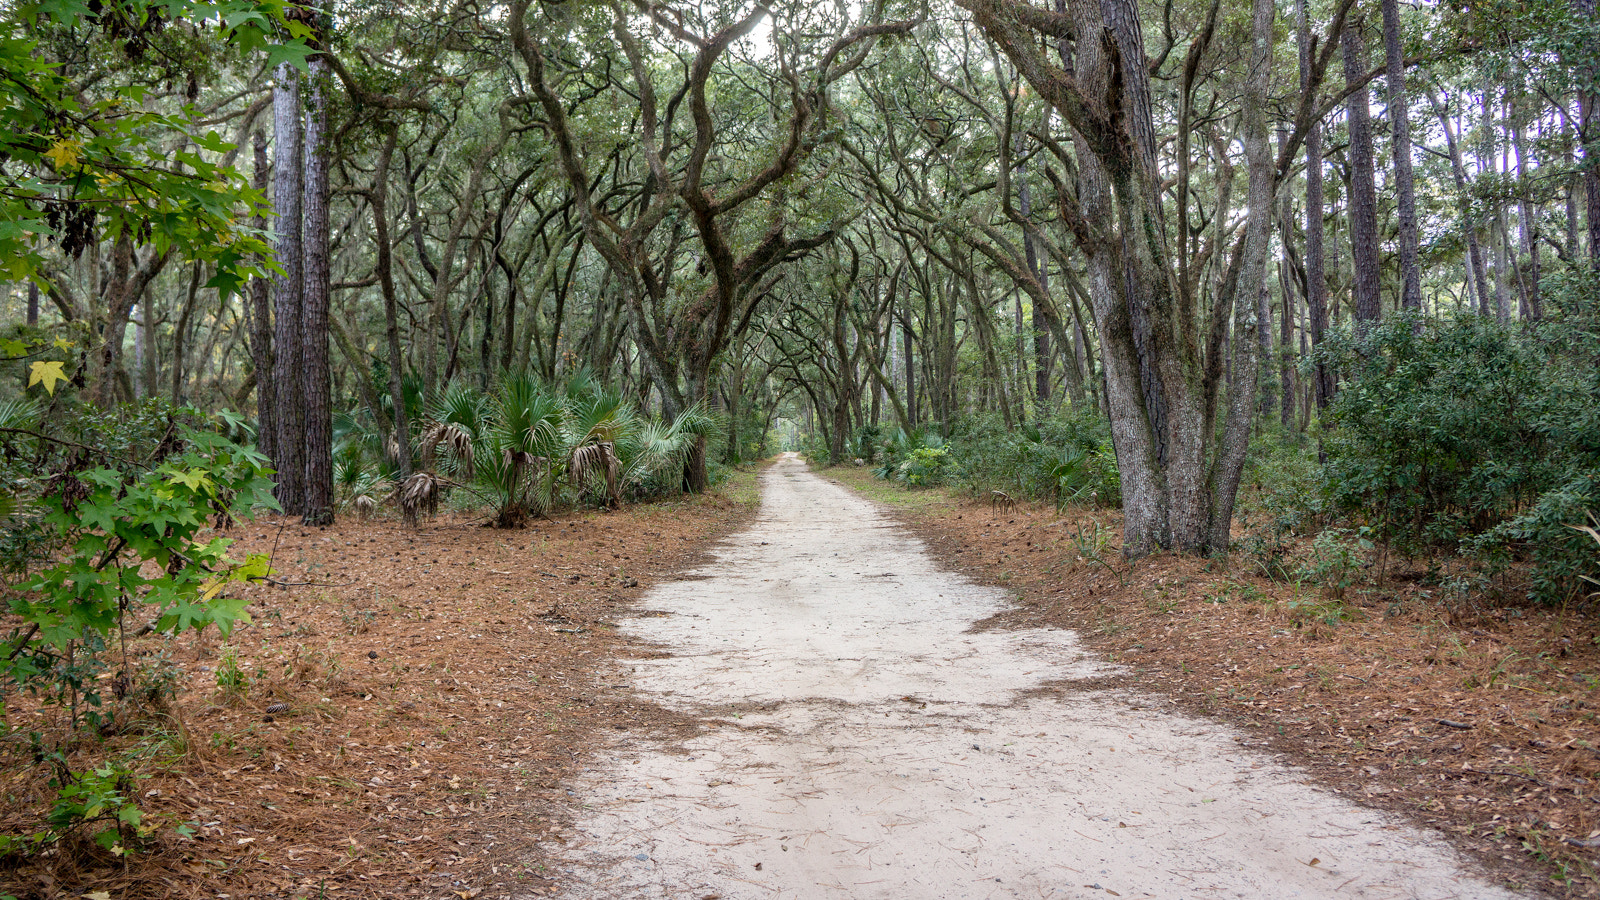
(866, 741)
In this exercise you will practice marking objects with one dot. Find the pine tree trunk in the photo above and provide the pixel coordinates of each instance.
(1589, 137)
(288, 289)
(1400, 136)
(314, 347)
(1363, 188)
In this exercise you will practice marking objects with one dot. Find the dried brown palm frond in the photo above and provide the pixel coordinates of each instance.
(596, 460)
(365, 506)
(520, 463)
(456, 440)
(418, 496)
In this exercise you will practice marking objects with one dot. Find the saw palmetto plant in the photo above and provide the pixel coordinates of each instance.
(527, 444)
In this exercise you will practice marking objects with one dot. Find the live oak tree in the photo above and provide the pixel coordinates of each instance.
(684, 187)
(891, 216)
(1163, 372)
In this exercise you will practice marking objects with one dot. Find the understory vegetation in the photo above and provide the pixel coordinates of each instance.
(1466, 445)
(1309, 285)
(114, 524)
(520, 448)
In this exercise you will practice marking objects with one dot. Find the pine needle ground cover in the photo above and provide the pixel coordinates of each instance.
(396, 721)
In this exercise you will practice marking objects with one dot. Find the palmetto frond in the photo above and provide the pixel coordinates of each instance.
(592, 462)
(457, 442)
(418, 497)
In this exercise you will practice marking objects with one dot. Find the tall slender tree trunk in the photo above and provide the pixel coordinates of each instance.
(1589, 138)
(288, 291)
(180, 336)
(314, 347)
(33, 303)
(1042, 325)
(1469, 223)
(1400, 139)
(1228, 467)
(1322, 381)
(1363, 188)
(261, 324)
(145, 349)
(1497, 215)
(1527, 223)
(1287, 290)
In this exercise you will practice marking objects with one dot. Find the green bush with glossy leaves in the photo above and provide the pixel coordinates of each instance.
(1467, 435)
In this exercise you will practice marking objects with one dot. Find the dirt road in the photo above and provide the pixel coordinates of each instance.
(870, 745)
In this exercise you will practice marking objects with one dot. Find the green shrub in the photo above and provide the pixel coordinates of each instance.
(1282, 497)
(1067, 458)
(115, 517)
(528, 446)
(927, 466)
(1468, 435)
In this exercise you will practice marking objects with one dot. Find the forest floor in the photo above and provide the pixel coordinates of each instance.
(409, 712)
(1478, 721)
(407, 708)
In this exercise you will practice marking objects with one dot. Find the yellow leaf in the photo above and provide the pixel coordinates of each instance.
(47, 373)
(64, 153)
(62, 344)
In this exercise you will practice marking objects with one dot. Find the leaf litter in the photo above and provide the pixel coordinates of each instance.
(413, 702)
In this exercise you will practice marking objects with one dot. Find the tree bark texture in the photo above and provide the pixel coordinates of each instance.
(318, 423)
(1178, 479)
(288, 290)
(1400, 142)
(1323, 384)
(1364, 248)
(261, 325)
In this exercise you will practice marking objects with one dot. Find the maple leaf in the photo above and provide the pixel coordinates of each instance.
(47, 373)
(64, 153)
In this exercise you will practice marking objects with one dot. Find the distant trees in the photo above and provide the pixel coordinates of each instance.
(843, 221)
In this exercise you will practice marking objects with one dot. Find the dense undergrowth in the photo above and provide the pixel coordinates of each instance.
(1464, 445)
(520, 449)
(113, 525)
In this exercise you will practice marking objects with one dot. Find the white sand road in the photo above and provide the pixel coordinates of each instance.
(871, 746)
